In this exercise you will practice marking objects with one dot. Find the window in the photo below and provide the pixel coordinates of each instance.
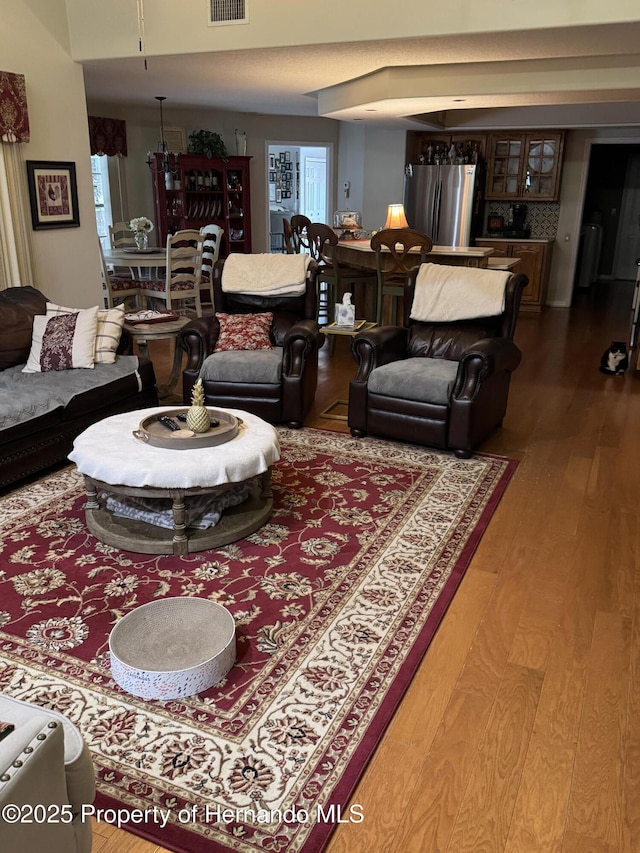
(101, 197)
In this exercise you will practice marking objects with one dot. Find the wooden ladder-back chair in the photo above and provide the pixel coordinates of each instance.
(212, 241)
(183, 271)
(398, 251)
(117, 287)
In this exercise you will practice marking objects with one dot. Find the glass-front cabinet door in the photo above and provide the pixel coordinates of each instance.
(524, 166)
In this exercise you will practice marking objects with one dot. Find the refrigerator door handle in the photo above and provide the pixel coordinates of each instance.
(437, 200)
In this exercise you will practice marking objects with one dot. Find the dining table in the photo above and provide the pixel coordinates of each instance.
(138, 259)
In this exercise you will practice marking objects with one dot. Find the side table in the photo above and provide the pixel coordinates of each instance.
(144, 332)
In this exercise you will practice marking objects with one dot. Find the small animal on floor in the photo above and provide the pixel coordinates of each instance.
(615, 358)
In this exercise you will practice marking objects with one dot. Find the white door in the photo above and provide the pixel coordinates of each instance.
(314, 188)
(628, 238)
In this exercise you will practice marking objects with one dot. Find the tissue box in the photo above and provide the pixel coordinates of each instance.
(345, 315)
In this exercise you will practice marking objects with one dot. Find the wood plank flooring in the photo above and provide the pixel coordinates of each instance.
(521, 731)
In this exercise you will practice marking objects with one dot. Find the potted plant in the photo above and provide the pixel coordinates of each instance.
(209, 143)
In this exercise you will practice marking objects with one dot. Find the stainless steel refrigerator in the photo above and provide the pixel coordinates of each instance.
(439, 201)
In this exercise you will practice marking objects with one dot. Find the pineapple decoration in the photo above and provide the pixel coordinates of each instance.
(198, 418)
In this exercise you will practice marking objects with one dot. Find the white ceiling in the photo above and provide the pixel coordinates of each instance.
(408, 82)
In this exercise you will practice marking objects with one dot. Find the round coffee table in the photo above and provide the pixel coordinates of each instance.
(114, 462)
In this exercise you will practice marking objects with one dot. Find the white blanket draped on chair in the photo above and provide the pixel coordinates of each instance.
(446, 293)
(266, 274)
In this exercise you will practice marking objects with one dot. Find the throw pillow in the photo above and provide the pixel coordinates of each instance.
(108, 332)
(244, 331)
(64, 341)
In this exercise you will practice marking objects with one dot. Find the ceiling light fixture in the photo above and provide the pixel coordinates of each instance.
(167, 161)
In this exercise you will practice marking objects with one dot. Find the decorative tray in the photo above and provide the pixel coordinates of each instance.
(152, 431)
(150, 317)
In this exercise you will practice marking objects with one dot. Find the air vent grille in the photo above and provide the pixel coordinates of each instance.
(228, 12)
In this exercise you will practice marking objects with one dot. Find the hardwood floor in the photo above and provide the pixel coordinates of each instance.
(521, 729)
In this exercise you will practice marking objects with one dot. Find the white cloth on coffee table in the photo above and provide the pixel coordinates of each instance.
(108, 451)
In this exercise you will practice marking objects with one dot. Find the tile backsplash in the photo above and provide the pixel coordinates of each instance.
(542, 217)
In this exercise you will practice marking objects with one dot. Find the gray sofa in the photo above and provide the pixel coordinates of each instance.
(42, 413)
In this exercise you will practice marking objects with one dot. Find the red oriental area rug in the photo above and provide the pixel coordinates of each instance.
(335, 601)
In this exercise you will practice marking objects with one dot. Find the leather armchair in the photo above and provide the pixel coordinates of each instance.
(441, 385)
(284, 396)
(44, 762)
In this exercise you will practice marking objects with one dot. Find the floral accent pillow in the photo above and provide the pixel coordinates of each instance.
(244, 331)
(108, 330)
(63, 341)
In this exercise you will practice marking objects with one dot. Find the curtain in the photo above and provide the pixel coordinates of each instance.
(14, 118)
(108, 136)
(15, 226)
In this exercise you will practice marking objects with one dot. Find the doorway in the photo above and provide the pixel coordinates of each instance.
(298, 178)
(610, 232)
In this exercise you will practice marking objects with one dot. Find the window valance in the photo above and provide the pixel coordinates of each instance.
(14, 118)
(108, 136)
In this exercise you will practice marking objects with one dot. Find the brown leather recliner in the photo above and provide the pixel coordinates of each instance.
(441, 385)
(278, 393)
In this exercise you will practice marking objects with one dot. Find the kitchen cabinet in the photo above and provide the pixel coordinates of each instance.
(429, 147)
(534, 262)
(524, 166)
(205, 190)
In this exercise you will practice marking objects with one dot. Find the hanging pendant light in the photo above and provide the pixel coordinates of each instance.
(168, 163)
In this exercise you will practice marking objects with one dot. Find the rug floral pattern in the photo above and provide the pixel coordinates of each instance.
(334, 602)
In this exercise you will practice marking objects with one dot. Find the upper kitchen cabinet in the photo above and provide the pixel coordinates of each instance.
(436, 147)
(524, 166)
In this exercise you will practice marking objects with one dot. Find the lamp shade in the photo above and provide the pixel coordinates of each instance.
(396, 217)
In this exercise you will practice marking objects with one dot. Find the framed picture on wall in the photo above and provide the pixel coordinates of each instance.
(53, 194)
(272, 161)
(278, 195)
(282, 156)
(287, 156)
(272, 192)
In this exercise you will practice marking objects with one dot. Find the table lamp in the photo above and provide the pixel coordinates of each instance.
(396, 217)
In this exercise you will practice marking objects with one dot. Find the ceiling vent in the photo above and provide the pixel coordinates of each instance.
(228, 12)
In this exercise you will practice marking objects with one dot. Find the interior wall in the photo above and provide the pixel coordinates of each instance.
(33, 42)
(100, 30)
(143, 134)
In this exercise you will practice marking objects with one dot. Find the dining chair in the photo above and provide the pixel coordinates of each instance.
(120, 235)
(287, 236)
(337, 278)
(115, 286)
(182, 272)
(395, 258)
(299, 237)
(212, 242)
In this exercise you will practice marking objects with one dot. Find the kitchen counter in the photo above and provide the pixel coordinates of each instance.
(517, 239)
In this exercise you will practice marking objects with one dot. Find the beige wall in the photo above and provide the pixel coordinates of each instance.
(109, 29)
(143, 134)
(33, 42)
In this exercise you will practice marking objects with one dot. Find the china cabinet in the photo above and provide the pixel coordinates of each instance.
(203, 190)
(535, 263)
(524, 165)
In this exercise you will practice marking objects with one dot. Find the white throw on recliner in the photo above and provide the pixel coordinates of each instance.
(44, 762)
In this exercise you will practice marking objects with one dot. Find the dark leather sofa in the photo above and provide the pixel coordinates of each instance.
(42, 440)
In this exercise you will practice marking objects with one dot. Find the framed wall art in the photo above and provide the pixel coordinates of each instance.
(53, 194)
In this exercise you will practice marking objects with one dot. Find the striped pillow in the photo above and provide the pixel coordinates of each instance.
(108, 331)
